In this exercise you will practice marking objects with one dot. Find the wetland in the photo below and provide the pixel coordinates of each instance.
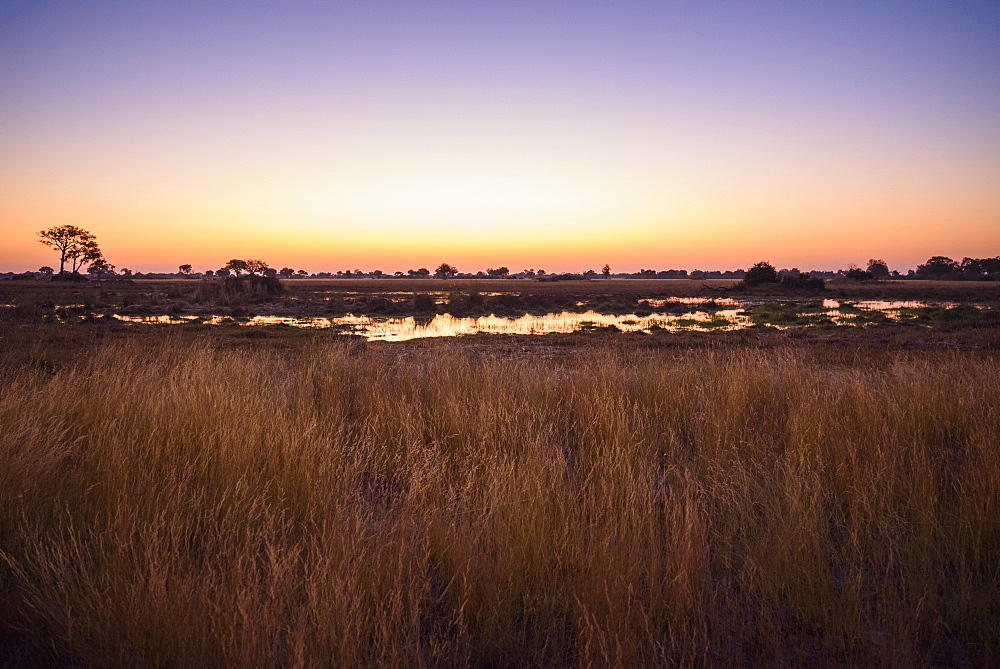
(638, 473)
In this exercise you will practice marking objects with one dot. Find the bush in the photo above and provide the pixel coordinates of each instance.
(458, 302)
(762, 272)
(69, 276)
(564, 277)
(372, 304)
(254, 286)
(803, 282)
(423, 302)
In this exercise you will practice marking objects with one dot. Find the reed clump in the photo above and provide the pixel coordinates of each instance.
(170, 505)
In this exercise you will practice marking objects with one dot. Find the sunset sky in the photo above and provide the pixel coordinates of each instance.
(560, 135)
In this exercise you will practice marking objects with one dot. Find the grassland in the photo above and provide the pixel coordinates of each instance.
(171, 506)
(203, 497)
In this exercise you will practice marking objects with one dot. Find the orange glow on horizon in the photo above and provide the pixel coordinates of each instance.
(644, 135)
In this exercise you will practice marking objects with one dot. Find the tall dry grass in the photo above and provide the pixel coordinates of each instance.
(193, 507)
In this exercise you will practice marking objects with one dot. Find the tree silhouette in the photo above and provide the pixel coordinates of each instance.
(762, 272)
(87, 253)
(980, 268)
(73, 244)
(236, 266)
(606, 271)
(286, 272)
(185, 269)
(938, 266)
(855, 273)
(445, 271)
(101, 268)
(878, 268)
(253, 266)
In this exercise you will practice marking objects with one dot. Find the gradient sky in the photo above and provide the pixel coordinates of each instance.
(561, 135)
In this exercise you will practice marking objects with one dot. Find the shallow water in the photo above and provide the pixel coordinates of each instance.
(883, 305)
(724, 301)
(446, 325)
(374, 328)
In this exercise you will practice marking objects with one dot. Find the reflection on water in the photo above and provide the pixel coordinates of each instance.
(722, 301)
(883, 305)
(446, 325)
(303, 322)
(779, 315)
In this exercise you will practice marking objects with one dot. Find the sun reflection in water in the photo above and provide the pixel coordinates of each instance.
(446, 325)
(839, 312)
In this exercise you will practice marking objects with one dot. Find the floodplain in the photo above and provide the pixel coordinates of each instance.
(186, 485)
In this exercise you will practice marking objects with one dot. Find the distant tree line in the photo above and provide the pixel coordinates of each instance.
(78, 249)
(970, 269)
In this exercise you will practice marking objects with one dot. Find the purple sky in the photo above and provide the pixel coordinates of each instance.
(366, 134)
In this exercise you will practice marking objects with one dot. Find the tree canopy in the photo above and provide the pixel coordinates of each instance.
(73, 244)
(446, 271)
(878, 268)
(236, 266)
(938, 266)
(255, 266)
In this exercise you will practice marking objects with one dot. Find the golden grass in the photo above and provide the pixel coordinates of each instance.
(170, 505)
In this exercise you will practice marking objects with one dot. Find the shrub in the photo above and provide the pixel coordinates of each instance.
(858, 274)
(423, 302)
(803, 282)
(252, 285)
(762, 272)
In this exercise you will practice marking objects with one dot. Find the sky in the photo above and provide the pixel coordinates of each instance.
(543, 134)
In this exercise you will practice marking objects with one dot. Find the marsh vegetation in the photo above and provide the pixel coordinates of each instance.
(205, 497)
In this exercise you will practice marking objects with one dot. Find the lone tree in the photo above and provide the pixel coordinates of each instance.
(185, 270)
(73, 244)
(606, 271)
(445, 271)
